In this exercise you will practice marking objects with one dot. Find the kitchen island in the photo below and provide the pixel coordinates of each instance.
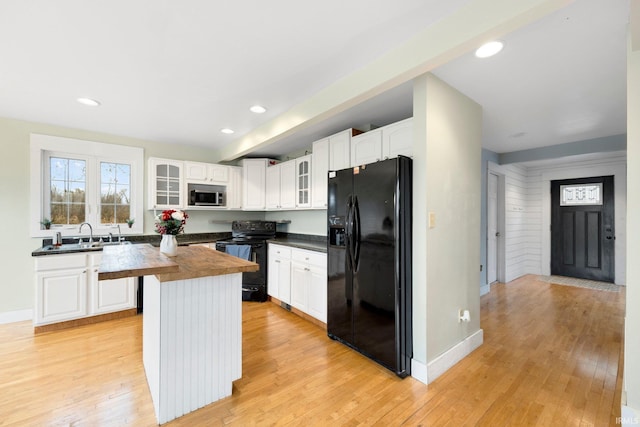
(192, 325)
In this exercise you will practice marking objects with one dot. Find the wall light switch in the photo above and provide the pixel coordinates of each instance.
(432, 219)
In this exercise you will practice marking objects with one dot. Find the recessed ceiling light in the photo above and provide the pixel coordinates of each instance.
(227, 131)
(489, 49)
(258, 109)
(88, 101)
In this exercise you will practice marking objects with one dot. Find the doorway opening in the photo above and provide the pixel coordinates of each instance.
(583, 228)
(495, 209)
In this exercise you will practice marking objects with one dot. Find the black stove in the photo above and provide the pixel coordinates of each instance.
(255, 235)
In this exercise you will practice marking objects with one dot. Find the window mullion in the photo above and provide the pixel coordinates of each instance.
(92, 201)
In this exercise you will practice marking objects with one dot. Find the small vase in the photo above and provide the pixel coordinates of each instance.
(169, 245)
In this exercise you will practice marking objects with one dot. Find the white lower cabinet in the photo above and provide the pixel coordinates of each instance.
(108, 296)
(61, 295)
(67, 288)
(279, 272)
(299, 278)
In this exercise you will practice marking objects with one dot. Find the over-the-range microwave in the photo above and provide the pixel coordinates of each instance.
(207, 195)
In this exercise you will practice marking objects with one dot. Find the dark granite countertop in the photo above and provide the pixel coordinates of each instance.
(70, 244)
(301, 241)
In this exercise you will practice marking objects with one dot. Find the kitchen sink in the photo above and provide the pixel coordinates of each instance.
(84, 246)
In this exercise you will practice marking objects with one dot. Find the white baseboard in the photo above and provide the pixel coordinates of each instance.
(16, 316)
(485, 289)
(446, 360)
(419, 371)
(630, 417)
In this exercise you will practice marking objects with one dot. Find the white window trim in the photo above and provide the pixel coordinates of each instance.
(95, 150)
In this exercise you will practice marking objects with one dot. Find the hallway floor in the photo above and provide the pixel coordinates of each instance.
(552, 356)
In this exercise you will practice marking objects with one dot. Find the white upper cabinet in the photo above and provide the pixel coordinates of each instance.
(234, 189)
(288, 185)
(383, 143)
(397, 139)
(272, 197)
(320, 160)
(366, 148)
(206, 173)
(254, 184)
(303, 182)
(280, 186)
(339, 150)
(166, 189)
(331, 153)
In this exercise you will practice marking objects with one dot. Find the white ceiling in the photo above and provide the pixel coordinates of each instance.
(178, 72)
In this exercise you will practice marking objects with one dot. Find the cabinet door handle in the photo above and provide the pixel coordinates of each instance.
(278, 261)
(84, 271)
(307, 269)
(96, 270)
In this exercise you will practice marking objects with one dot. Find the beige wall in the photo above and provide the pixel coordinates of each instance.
(419, 224)
(453, 153)
(302, 222)
(632, 321)
(17, 284)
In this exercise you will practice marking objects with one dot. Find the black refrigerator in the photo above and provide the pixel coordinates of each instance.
(369, 261)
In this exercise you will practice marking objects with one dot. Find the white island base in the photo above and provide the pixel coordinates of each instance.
(192, 341)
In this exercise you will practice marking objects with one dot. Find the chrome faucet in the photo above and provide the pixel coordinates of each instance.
(90, 231)
(119, 235)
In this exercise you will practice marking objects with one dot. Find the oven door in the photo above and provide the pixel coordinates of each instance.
(258, 255)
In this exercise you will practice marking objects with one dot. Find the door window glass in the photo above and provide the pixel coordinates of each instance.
(581, 194)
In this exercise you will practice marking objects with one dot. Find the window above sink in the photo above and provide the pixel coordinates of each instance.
(76, 181)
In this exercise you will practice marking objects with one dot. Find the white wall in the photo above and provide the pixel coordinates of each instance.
(17, 268)
(302, 222)
(518, 238)
(540, 180)
(528, 210)
(632, 321)
(453, 126)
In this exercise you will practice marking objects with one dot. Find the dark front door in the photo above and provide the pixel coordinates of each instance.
(582, 228)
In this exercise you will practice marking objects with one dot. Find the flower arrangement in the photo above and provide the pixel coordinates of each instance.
(171, 222)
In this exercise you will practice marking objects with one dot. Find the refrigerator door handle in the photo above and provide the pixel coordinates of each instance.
(356, 232)
(349, 233)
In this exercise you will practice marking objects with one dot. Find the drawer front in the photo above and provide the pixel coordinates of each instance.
(279, 251)
(59, 262)
(309, 257)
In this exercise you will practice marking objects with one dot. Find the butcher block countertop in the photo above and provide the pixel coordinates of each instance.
(191, 262)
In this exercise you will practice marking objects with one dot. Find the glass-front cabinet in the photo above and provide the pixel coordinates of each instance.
(303, 182)
(165, 178)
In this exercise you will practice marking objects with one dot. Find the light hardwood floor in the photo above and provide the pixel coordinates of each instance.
(551, 357)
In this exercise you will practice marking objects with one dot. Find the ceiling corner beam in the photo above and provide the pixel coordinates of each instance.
(476, 22)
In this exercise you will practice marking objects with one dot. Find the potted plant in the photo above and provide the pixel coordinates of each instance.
(130, 222)
(46, 223)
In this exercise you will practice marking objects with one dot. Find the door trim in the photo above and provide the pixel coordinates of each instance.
(620, 205)
(501, 273)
